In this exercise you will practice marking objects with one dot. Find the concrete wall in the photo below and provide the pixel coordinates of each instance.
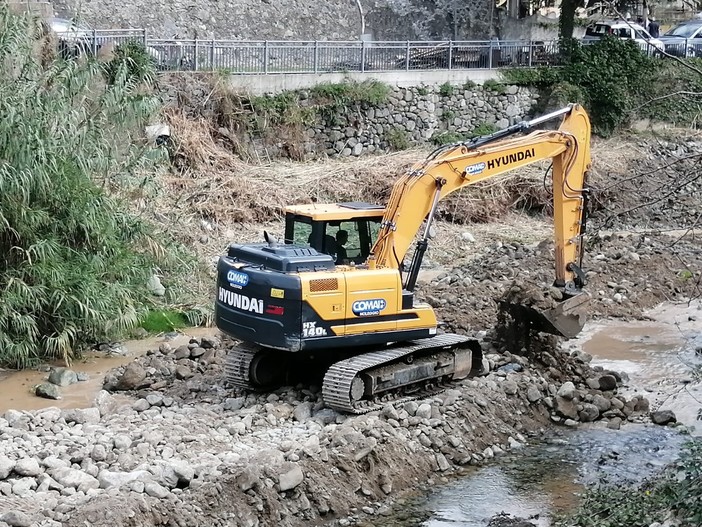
(261, 84)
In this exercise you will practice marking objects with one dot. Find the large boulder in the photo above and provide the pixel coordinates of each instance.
(132, 378)
(48, 390)
(63, 377)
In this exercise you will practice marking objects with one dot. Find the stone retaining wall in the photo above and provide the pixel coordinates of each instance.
(419, 115)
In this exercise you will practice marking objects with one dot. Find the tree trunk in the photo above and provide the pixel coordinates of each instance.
(567, 19)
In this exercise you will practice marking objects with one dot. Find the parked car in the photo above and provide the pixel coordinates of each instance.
(685, 39)
(626, 30)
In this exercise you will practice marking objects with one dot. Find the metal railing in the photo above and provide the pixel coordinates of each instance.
(270, 57)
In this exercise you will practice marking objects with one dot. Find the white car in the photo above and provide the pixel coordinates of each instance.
(624, 29)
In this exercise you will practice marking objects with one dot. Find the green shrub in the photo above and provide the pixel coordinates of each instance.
(446, 138)
(422, 90)
(541, 77)
(613, 75)
(163, 321)
(468, 85)
(494, 86)
(133, 60)
(370, 92)
(73, 264)
(446, 89)
(483, 129)
(398, 139)
(448, 116)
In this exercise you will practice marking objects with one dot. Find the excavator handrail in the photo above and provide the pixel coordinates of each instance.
(416, 194)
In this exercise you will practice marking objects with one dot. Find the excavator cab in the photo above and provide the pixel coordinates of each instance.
(344, 231)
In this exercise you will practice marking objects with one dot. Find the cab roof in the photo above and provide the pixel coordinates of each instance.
(337, 211)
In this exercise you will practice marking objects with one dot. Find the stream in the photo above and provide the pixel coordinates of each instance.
(662, 357)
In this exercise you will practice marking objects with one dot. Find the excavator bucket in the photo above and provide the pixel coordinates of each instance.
(566, 318)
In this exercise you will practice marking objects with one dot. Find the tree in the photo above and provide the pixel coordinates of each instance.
(72, 264)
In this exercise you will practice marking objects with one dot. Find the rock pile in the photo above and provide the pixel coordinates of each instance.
(185, 449)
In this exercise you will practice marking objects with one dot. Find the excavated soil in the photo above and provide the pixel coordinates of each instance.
(187, 450)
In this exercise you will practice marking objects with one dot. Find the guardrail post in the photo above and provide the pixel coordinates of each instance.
(212, 49)
(490, 56)
(363, 56)
(265, 57)
(146, 41)
(94, 46)
(531, 52)
(316, 56)
(407, 56)
(196, 61)
(450, 64)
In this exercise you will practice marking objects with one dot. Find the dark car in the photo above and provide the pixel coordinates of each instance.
(685, 39)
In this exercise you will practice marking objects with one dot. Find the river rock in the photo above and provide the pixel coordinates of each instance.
(602, 403)
(615, 423)
(567, 391)
(132, 377)
(16, 519)
(663, 417)
(247, 479)
(533, 394)
(291, 478)
(183, 372)
(607, 382)
(155, 490)
(109, 479)
(423, 411)
(48, 391)
(27, 466)
(566, 408)
(237, 403)
(122, 442)
(509, 387)
(23, 486)
(82, 415)
(71, 477)
(63, 377)
(210, 342)
(6, 467)
(105, 403)
(589, 413)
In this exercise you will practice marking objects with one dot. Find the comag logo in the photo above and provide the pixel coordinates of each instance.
(473, 170)
(237, 279)
(365, 308)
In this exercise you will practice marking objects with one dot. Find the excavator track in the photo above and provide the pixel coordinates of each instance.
(238, 366)
(341, 389)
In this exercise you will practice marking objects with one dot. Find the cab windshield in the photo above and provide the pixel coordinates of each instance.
(347, 241)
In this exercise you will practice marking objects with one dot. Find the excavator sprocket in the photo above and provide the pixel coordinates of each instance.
(365, 382)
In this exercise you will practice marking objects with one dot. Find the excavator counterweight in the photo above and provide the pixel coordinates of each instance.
(336, 295)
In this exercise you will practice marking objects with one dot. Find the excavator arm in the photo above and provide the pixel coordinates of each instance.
(415, 195)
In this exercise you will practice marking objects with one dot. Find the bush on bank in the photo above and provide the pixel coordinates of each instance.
(610, 78)
(73, 264)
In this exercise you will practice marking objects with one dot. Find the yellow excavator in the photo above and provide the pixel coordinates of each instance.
(335, 292)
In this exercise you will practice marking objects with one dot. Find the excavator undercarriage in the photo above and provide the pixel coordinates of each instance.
(364, 382)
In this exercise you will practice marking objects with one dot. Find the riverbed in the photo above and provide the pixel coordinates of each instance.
(661, 356)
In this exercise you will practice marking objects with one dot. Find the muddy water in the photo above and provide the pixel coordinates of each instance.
(661, 358)
(16, 387)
